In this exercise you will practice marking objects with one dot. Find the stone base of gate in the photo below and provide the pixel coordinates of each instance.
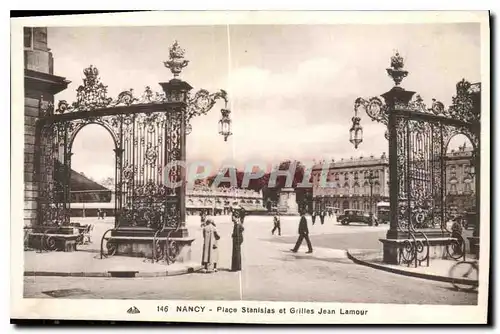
(438, 242)
(474, 246)
(138, 242)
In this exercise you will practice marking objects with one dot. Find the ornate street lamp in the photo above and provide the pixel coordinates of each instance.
(225, 123)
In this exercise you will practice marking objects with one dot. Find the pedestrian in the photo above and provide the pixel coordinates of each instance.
(237, 241)
(277, 224)
(313, 216)
(303, 234)
(210, 248)
(203, 218)
(322, 215)
(242, 215)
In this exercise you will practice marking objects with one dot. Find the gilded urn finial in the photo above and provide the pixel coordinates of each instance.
(396, 71)
(176, 62)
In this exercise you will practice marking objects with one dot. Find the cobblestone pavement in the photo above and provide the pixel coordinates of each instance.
(270, 272)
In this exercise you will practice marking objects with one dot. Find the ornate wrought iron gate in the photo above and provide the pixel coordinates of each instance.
(422, 140)
(149, 134)
(418, 139)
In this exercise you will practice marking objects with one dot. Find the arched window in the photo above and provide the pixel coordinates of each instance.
(466, 169)
(330, 177)
(453, 185)
(356, 189)
(467, 186)
(453, 170)
(366, 188)
(346, 188)
(376, 188)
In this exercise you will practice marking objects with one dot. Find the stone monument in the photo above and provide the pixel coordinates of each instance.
(288, 202)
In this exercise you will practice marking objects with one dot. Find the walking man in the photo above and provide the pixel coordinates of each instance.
(242, 215)
(303, 234)
(277, 224)
(313, 216)
(322, 217)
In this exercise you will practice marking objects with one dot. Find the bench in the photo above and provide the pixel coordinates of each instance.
(53, 241)
(146, 238)
(178, 248)
(435, 247)
(431, 241)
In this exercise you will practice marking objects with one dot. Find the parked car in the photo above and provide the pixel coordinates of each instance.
(357, 216)
(383, 212)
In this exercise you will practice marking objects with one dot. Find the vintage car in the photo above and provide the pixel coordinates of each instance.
(357, 216)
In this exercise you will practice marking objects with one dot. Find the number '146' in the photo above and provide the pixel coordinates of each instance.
(162, 309)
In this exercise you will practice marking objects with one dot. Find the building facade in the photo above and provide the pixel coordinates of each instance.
(349, 188)
(40, 86)
(348, 184)
(460, 180)
(218, 201)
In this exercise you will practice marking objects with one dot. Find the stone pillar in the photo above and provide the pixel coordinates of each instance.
(176, 92)
(40, 86)
(288, 201)
(395, 95)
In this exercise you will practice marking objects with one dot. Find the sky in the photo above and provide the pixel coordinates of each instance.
(291, 87)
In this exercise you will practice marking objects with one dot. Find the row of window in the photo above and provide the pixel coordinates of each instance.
(467, 188)
(356, 189)
(356, 175)
(453, 170)
(218, 201)
(356, 205)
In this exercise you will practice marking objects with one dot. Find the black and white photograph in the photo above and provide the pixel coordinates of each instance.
(288, 172)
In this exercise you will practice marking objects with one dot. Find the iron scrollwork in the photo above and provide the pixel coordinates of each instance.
(374, 107)
(201, 103)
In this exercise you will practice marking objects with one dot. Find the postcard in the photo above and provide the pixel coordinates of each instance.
(251, 167)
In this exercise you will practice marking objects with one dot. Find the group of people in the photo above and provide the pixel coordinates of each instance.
(303, 230)
(211, 237)
(101, 214)
(321, 215)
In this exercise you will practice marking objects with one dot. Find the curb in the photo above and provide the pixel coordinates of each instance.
(115, 273)
(412, 274)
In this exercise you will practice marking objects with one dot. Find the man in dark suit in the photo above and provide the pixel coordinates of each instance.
(242, 215)
(322, 215)
(303, 233)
